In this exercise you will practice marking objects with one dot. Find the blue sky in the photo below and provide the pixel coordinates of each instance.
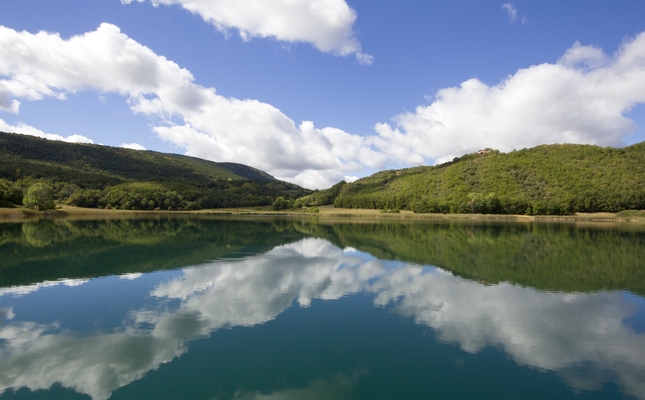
(380, 84)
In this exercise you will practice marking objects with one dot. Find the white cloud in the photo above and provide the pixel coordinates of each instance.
(6, 103)
(578, 56)
(214, 127)
(44, 65)
(132, 146)
(511, 10)
(581, 99)
(31, 131)
(326, 24)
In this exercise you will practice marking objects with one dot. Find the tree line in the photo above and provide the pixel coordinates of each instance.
(44, 194)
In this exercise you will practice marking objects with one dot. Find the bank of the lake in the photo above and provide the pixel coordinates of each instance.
(324, 212)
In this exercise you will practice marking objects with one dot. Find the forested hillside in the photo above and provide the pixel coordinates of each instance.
(321, 197)
(548, 179)
(90, 175)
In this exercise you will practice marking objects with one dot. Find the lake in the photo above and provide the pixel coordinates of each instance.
(242, 309)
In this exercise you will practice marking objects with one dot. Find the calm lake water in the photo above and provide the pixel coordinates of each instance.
(289, 309)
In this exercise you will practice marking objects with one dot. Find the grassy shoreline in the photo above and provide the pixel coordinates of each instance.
(325, 213)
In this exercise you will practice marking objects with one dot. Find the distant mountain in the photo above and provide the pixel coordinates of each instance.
(95, 165)
(91, 172)
(547, 179)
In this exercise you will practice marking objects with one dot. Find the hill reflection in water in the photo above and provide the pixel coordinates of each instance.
(587, 339)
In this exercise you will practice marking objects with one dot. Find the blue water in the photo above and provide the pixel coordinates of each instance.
(307, 319)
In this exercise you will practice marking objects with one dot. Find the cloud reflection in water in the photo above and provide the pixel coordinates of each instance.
(549, 331)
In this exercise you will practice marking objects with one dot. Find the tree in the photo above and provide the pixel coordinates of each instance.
(10, 193)
(282, 204)
(39, 196)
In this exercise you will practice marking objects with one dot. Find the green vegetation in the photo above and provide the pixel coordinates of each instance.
(39, 196)
(320, 197)
(282, 204)
(543, 256)
(631, 214)
(10, 193)
(317, 198)
(43, 250)
(545, 180)
(106, 177)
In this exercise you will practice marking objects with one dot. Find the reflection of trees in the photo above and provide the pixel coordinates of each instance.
(224, 294)
(38, 234)
(551, 257)
(554, 257)
(49, 250)
(549, 331)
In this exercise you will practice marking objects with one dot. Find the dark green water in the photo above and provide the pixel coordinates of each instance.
(286, 309)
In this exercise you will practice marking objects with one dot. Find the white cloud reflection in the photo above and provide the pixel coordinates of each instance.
(338, 388)
(548, 331)
(23, 290)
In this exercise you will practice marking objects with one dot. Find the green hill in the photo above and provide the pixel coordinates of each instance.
(548, 179)
(91, 175)
(321, 197)
(95, 166)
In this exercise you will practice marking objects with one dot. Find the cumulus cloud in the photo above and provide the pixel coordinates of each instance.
(6, 103)
(213, 127)
(31, 131)
(326, 24)
(582, 98)
(583, 56)
(132, 146)
(511, 10)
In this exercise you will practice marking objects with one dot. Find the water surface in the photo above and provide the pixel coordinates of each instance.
(285, 309)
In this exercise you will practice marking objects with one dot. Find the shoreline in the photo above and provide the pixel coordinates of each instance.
(330, 213)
